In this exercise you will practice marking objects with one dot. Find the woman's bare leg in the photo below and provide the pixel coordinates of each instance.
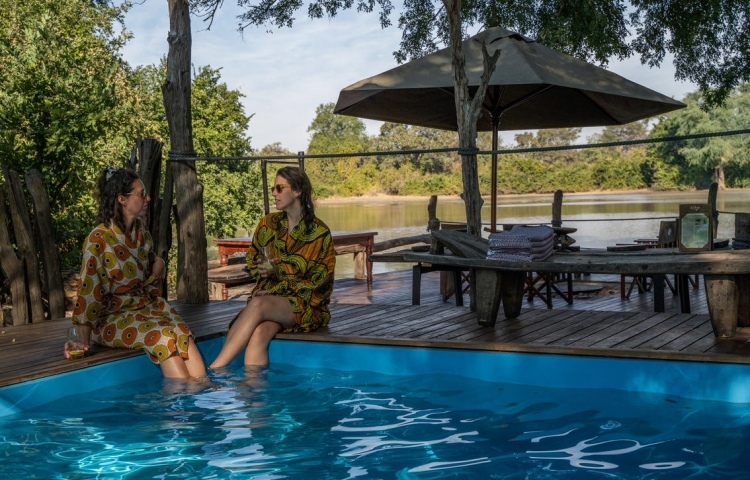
(174, 367)
(177, 367)
(258, 310)
(256, 353)
(194, 363)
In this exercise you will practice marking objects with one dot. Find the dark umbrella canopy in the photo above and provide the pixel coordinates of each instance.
(532, 87)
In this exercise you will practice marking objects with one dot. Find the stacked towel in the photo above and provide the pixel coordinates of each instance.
(522, 244)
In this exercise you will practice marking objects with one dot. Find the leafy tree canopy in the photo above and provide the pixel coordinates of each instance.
(335, 134)
(706, 154)
(70, 106)
(395, 137)
(709, 40)
(231, 192)
(60, 91)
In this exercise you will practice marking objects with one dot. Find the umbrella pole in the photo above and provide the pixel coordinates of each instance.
(493, 176)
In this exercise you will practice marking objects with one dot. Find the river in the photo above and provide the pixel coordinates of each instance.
(601, 219)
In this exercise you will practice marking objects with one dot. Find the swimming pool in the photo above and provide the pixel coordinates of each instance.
(344, 411)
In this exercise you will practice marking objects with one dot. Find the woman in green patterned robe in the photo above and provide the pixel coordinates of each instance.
(294, 283)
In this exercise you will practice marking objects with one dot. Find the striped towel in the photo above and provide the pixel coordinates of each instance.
(521, 244)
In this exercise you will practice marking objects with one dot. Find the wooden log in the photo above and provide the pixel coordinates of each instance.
(743, 307)
(722, 298)
(433, 223)
(25, 242)
(462, 244)
(12, 265)
(360, 265)
(150, 155)
(713, 193)
(512, 287)
(557, 209)
(360, 258)
(48, 248)
(344, 249)
(742, 225)
(488, 295)
(399, 242)
(163, 237)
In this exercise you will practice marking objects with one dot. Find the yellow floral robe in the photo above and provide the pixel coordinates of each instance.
(304, 274)
(122, 306)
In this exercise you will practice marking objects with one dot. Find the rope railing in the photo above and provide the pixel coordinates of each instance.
(192, 156)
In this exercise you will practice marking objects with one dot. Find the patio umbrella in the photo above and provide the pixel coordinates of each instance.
(532, 87)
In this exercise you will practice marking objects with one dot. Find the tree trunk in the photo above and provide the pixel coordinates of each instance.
(468, 110)
(25, 242)
(13, 268)
(48, 248)
(719, 177)
(192, 270)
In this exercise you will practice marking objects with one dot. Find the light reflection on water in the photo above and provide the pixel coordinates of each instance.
(618, 216)
(288, 422)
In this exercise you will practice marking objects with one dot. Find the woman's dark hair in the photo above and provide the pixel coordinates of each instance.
(112, 183)
(299, 181)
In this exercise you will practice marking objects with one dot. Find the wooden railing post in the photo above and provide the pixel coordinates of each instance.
(13, 267)
(48, 248)
(25, 241)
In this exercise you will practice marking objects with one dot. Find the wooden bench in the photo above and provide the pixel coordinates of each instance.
(726, 274)
(358, 243)
(228, 276)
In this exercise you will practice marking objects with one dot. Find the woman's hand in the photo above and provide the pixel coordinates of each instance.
(265, 267)
(158, 268)
(82, 344)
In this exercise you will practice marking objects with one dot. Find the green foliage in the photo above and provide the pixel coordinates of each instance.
(396, 137)
(709, 41)
(335, 134)
(659, 166)
(550, 137)
(60, 91)
(232, 196)
(69, 106)
(699, 158)
(615, 170)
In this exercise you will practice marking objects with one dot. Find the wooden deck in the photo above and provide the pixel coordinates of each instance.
(602, 325)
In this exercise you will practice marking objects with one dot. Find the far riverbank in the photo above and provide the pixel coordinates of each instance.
(383, 198)
(601, 218)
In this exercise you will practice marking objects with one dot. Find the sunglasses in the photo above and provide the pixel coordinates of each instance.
(280, 187)
(143, 194)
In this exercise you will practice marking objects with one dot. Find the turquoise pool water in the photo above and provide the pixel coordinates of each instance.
(334, 411)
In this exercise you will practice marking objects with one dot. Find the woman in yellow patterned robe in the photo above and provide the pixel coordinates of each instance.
(294, 289)
(119, 303)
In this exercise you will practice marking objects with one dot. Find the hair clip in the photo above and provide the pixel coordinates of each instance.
(108, 172)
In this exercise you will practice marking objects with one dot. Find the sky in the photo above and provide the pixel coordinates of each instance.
(285, 74)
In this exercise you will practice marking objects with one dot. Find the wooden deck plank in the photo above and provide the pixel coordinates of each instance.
(596, 325)
(575, 328)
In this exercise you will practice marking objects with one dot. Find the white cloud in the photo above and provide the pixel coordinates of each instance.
(285, 75)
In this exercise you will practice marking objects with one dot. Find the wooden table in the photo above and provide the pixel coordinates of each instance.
(341, 240)
(726, 274)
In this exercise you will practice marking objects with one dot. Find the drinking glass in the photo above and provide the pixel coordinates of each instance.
(75, 343)
(270, 256)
